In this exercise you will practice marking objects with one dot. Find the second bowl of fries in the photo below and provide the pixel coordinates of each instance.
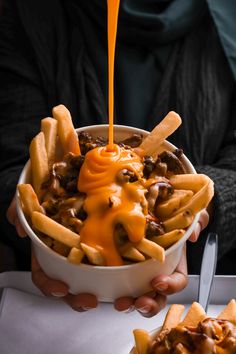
(108, 230)
(195, 332)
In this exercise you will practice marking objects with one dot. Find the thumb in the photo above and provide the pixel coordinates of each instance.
(170, 284)
(13, 219)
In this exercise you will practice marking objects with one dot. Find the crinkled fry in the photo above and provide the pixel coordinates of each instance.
(168, 239)
(164, 129)
(49, 129)
(142, 340)
(29, 199)
(39, 163)
(94, 256)
(151, 249)
(66, 131)
(55, 230)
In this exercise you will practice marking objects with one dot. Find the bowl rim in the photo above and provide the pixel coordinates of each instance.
(33, 236)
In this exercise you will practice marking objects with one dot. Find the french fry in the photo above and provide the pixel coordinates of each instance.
(194, 315)
(193, 182)
(200, 200)
(168, 239)
(66, 131)
(49, 129)
(229, 312)
(60, 248)
(151, 249)
(173, 316)
(164, 129)
(29, 199)
(75, 256)
(134, 351)
(171, 205)
(179, 221)
(58, 137)
(142, 341)
(131, 253)
(94, 256)
(39, 163)
(55, 230)
(180, 340)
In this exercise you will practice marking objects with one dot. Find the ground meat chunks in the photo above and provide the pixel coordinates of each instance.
(87, 142)
(172, 160)
(133, 141)
(153, 228)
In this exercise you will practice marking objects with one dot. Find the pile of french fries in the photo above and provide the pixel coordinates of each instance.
(58, 137)
(145, 343)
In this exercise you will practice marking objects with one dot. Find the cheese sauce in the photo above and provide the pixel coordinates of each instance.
(109, 202)
(112, 19)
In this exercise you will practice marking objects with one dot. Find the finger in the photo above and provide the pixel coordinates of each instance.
(124, 304)
(13, 219)
(48, 286)
(170, 284)
(81, 302)
(11, 212)
(204, 219)
(201, 225)
(19, 228)
(148, 306)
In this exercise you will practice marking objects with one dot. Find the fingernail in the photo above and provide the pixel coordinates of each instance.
(160, 286)
(128, 310)
(58, 294)
(86, 308)
(145, 309)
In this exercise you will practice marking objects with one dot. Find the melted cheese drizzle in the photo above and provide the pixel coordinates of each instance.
(108, 202)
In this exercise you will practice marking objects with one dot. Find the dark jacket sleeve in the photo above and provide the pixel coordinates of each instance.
(223, 221)
(22, 105)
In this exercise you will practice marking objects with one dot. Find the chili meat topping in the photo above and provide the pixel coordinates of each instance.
(211, 336)
(64, 202)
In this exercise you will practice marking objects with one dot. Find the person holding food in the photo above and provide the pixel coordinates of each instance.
(171, 55)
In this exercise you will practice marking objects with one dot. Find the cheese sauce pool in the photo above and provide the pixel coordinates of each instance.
(108, 202)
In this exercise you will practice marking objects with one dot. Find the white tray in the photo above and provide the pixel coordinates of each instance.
(33, 324)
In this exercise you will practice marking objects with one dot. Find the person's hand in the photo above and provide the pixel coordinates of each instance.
(201, 225)
(48, 286)
(153, 302)
(13, 219)
(150, 304)
(56, 288)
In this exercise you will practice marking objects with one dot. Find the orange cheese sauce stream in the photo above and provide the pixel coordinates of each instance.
(112, 19)
(107, 202)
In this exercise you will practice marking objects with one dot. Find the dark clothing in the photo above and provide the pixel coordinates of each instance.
(55, 52)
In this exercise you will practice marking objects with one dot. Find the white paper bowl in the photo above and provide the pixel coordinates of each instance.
(107, 283)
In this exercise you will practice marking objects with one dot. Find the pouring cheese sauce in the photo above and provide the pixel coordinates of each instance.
(109, 202)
